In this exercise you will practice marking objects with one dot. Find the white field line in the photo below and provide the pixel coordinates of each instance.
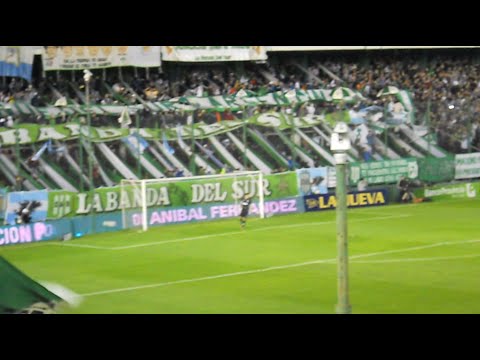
(82, 246)
(250, 230)
(271, 268)
(416, 259)
(16, 247)
(74, 244)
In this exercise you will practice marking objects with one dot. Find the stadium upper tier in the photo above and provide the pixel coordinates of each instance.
(432, 94)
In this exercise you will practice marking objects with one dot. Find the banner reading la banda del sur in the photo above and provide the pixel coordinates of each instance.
(354, 199)
(171, 195)
(32, 133)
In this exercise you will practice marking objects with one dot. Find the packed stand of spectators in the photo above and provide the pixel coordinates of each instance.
(444, 84)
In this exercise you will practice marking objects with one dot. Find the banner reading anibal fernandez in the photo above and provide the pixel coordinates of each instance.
(161, 216)
(96, 57)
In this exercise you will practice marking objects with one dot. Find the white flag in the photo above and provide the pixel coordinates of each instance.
(124, 119)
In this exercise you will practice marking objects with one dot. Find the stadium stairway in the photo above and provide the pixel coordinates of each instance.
(260, 151)
(405, 149)
(199, 161)
(301, 153)
(422, 143)
(160, 158)
(254, 159)
(147, 163)
(9, 169)
(262, 141)
(147, 104)
(71, 161)
(209, 155)
(387, 151)
(39, 174)
(105, 178)
(55, 173)
(225, 154)
(177, 163)
(116, 162)
(77, 92)
(321, 151)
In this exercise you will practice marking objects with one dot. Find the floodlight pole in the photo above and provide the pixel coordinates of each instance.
(244, 138)
(192, 131)
(339, 138)
(87, 76)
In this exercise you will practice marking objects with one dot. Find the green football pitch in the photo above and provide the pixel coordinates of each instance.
(419, 258)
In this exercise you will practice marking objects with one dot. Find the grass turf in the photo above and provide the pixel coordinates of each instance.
(421, 258)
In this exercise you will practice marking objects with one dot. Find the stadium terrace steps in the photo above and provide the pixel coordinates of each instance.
(56, 177)
(116, 162)
(172, 158)
(257, 148)
(199, 161)
(422, 143)
(406, 148)
(254, 159)
(150, 167)
(115, 95)
(321, 151)
(103, 174)
(71, 161)
(262, 141)
(147, 104)
(387, 151)
(300, 152)
(9, 170)
(268, 76)
(379, 145)
(209, 154)
(77, 91)
(146, 164)
(160, 158)
(39, 174)
(227, 156)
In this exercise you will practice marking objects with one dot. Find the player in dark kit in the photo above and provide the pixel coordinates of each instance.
(245, 207)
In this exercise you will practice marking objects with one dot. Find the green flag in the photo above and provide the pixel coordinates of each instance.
(20, 293)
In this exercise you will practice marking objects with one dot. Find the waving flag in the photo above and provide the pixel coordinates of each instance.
(40, 152)
(166, 145)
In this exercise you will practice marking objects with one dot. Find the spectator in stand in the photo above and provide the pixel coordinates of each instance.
(362, 184)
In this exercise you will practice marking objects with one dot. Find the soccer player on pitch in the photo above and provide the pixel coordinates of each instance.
(245, 207)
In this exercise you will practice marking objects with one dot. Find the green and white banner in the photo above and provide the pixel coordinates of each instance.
(383, 172)
(465, 190)
(96, 57)
(182, 104)
(32, 133)
(183, 192)
(213, 53)
(467, 166)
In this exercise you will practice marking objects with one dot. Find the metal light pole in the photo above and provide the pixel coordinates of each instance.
(87, 76)
(192, 131)
(139, 168)
(340, 144)
(80, 153)
(17, 154)
(244, 138)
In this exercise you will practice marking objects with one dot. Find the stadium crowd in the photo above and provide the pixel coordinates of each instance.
(446, 86)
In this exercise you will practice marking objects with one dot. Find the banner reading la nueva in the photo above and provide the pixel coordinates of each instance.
(178, 194)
